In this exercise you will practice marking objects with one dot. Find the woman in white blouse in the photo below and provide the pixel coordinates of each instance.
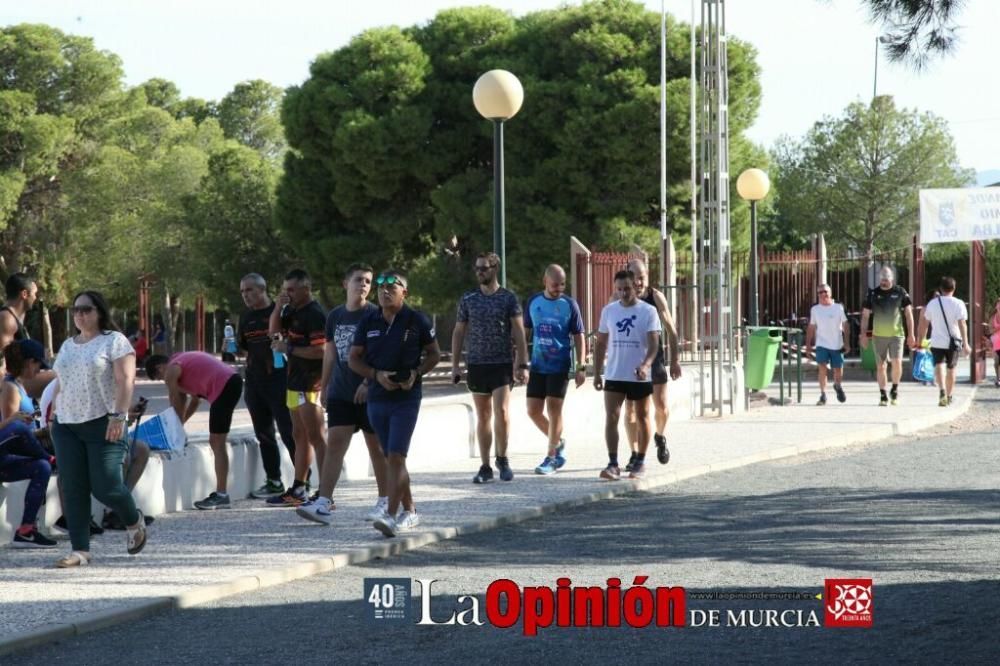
(96, 371)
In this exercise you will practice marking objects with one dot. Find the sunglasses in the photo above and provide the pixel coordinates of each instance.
(390, 280)
(822, 292)
(483, 269)
(82, 309)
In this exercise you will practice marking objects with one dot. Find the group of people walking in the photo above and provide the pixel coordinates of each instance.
(889, 311)
(362, 365)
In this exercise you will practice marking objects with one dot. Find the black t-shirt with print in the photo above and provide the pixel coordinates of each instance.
(252, 337)
(305, 327)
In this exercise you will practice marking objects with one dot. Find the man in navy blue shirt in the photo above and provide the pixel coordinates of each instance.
(552, 320)
(393, 348)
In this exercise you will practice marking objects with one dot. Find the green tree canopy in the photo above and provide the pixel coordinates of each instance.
(390, 162)
(856, 177)
(250, 114)
(56, 93)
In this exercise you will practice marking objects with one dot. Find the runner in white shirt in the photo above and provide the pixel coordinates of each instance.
(829, 331)
(630, 334)
(946, 315)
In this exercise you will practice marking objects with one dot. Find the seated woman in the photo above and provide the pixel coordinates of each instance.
(21, 455)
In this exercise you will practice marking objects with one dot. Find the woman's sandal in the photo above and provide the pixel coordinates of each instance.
(77, 558)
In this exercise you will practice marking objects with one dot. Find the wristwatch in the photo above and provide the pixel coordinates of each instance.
(581, 368)
(523, 366)
(118, 416)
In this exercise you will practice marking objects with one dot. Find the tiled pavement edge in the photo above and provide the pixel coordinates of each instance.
(196, 557)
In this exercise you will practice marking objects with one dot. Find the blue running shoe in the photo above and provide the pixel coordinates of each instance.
(560, 458)
(506, 473)
(548, 466)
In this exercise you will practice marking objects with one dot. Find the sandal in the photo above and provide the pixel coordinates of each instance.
(77, 558)
(136, 536)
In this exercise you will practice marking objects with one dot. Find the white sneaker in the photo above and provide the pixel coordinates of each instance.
(318, 511)
(381, 509)
(407, 520)
(386, 525)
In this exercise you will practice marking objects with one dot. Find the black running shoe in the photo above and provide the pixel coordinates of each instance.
(662, 452)
(631, 462)
(485, 475)
(33, 539)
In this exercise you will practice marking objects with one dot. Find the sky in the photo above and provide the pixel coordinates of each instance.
(816, 56)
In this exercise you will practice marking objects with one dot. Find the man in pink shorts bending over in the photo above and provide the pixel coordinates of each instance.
(191, 376)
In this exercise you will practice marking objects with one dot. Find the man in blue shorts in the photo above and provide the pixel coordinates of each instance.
(393, 348)
(490, 317)
(830, 332)
(552, 320)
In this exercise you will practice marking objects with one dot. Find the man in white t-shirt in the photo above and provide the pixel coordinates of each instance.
(947, 317)
(830, 333)
(629, 333)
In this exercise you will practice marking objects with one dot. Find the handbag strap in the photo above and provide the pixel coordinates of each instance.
(946, 324)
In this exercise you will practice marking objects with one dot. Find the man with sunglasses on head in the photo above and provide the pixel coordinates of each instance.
(298, 328)
(393, 348)
(830, 331)
(490, 317)
(346, 395)
(887, 305)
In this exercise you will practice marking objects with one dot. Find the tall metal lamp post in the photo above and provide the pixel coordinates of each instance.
(498, 96)
(753, 185)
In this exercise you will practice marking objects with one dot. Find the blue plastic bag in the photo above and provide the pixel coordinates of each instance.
(923, 366)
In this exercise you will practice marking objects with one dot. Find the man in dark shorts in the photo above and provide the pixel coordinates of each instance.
(629, 333)
(490, 317)
(346, 395)
(191, 377)
(299, 323)
(393, 348)
(552, 320)
(264, 392)
(947, 317)
(659, 372)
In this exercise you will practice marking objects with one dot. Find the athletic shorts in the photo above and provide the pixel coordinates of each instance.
(220, 414)
(831, 357)
(632, 390)
(543, 385)
(394, 422)
(488, 377)
(295, 399)
(887, 349)
(659, 372)
(344, 413)
(947, 356)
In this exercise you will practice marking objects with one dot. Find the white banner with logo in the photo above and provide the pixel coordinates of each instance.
(971, 214)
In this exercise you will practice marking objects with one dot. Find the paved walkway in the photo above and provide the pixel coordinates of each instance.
(193, 557)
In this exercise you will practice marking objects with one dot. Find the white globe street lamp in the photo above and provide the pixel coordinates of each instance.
(498, 96)
(753, 185)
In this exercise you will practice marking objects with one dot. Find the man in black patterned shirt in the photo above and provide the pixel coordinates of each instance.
(490, 316)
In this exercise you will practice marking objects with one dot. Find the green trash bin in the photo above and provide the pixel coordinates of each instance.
(762, 352)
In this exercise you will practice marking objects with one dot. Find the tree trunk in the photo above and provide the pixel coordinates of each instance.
(47, 332)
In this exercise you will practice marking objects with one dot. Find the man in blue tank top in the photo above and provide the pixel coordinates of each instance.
(553, 323)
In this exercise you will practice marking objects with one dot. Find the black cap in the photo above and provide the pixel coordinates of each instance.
(32, 349)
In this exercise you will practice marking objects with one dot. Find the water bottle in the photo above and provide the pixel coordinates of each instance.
(279, 358)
